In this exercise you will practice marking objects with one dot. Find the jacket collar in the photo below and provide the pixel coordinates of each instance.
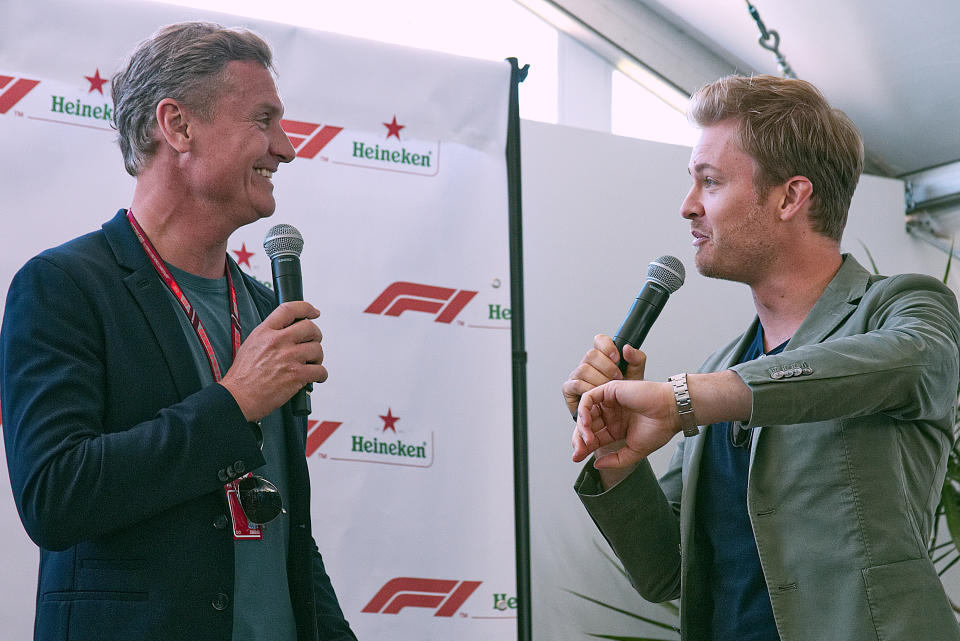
(148, 290)
(124, 244)
(835, 304)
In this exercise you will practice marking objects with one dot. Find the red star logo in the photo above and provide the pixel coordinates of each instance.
(243, 256)
(393, 129)
(96, 82)
(390, 421)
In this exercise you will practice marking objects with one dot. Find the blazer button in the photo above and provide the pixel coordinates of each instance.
(232, 473)
(221, 521)
(240, 467)
(220, 601)
(222, 475)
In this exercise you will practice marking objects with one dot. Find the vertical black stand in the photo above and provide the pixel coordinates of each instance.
(521, 475)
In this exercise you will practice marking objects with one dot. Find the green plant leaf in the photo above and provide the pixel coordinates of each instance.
(669, 606)
(665, 626)
(618, 638)
(873, 264)
(946, 272)
(950, 500)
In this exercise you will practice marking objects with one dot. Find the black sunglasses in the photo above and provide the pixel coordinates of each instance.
(739, 435)
(260, 499)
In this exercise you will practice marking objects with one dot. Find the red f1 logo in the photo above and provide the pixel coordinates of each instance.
(307, 143)
(318, 433)
(404, 592)
(11, 94)
(402, 296)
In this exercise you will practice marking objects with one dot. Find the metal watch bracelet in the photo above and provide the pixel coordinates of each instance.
(684, 405)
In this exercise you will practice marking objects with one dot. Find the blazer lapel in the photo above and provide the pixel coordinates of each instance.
(834, 306)
(151, 296)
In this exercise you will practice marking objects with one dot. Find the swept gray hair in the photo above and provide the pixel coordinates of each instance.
(185, 62)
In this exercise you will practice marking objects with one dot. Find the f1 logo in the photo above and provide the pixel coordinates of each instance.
(11, 94)
(318, 433)
(308, 138)
(402, 296)
(403, 592)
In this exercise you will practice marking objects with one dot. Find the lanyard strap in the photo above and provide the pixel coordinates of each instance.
(189, 309)
(242, 529)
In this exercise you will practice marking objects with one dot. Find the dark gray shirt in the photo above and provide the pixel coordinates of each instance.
(261, 600)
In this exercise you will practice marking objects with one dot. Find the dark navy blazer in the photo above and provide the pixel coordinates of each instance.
(116, 455)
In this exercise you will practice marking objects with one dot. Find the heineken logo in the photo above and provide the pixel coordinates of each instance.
(65, 104)
(391, 155)
(394, 150)
(80, 109)
(395, 448)
(384, 444)
(442, 596)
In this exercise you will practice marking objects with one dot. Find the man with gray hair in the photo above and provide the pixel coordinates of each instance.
(152, 453)
(799, 504)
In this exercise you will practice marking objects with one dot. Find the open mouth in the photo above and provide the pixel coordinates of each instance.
(266, 173)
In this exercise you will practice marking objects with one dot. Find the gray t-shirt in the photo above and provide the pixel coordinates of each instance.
(261, 599)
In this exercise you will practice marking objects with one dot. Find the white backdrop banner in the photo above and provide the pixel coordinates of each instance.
(400, 192)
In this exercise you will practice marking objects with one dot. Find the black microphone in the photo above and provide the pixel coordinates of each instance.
(664, 276)
(283, 244)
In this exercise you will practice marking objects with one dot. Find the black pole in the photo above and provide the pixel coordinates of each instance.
(521, 474)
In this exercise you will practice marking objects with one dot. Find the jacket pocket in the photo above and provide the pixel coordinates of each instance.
(89, 615)
(907, 601)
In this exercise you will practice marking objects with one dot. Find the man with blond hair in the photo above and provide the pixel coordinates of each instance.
(799, 504)
(152, 453)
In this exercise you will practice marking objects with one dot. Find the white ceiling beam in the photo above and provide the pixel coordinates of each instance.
(638, 42)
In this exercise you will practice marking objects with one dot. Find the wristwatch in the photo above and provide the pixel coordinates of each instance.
(684, 405)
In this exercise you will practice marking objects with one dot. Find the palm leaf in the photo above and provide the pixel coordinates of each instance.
(670, 606)
(618, 638)
(946, 272)
(873, 263)
(640, 617)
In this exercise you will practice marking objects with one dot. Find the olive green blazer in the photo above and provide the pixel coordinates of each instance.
(852, 427)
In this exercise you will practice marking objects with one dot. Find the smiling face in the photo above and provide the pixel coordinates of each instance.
(732, 226)
(236, 152)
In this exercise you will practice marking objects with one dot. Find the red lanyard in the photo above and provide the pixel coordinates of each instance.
(188, 309)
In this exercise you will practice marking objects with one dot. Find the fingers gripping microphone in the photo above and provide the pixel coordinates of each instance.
(283, 244)
(664, 276)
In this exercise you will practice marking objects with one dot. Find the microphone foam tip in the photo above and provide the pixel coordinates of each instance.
(668, 271)
(283, 240)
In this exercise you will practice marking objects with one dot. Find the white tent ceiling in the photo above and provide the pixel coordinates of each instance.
(893, 66)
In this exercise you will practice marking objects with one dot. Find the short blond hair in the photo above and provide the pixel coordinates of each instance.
(789, 129)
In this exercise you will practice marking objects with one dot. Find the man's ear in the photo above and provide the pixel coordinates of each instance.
(795, 196)
(172, 124)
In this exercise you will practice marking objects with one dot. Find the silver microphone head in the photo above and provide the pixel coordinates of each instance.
(667, 271)
(283, 240)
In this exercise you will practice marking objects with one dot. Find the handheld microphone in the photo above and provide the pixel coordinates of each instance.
(283, 244)
(664, 276)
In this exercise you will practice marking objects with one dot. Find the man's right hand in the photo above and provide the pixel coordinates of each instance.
(598, 366)
(280, 356)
